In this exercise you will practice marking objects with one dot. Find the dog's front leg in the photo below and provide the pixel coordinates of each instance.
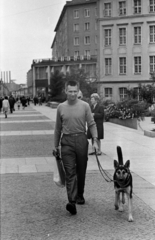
(130, 217)
(116, 200)
(121, 207)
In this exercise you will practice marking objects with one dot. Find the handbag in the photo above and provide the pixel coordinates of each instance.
(59, 176)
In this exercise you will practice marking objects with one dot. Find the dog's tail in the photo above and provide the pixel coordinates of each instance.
(120, 156)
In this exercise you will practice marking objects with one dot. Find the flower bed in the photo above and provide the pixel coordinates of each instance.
(130, 123)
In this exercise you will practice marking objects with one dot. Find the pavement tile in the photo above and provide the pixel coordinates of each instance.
(2, 169)
(44, 168)
(12, 169)
(33, 161)
(27, 169)
(49, 159)
(13, 161)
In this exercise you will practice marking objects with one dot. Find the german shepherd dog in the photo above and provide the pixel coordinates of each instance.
(122, 184)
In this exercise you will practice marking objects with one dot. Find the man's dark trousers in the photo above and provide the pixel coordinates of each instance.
(74, 151)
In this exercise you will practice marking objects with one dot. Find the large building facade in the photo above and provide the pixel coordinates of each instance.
(74, 46)
(76, 30)
(126, 52)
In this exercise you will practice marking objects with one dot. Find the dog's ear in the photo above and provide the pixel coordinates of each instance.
(127, 164)
(116, 164)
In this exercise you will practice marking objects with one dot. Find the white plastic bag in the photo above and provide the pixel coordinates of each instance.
(59, 175)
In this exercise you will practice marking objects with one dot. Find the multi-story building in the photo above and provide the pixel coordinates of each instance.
(126, 53)
(74, 46)
(76, 30)
(38, 77)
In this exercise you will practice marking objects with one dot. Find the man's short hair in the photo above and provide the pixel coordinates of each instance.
(71, 83)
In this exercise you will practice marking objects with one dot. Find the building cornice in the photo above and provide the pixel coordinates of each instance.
(126, 17)
(127, 81)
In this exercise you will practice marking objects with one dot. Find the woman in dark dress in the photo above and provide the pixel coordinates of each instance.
(98, 114)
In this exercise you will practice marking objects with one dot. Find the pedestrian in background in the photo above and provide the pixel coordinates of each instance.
(98, 114)
(5, 106)
(18, 104)
(12, 103)
(70, 132)
(1, 100)
(35, 100)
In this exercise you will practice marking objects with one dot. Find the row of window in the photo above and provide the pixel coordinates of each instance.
(86, 40)
(108, 93)
(86, 13)
(123, 65)
(123, 35)
(122, 7)
(86, 27)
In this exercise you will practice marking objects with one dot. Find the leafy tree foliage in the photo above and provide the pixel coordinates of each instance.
(86, 86)
(147, 93)
(56, 83)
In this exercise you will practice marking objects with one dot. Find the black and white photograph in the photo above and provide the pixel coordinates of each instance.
(77, 119)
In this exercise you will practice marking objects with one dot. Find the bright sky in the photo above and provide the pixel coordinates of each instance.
(27, 32)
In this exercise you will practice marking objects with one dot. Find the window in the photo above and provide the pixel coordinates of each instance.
(107, 33)
(152, 6)
(107, 10)
(95, 39)
(76, 41)
(137, 6)
(137, 94)
(152, 34)
(122, 8)
(137, 65)
(76, 53)
(108, 63)
(137, 35)
(76, 27)
(87, 40)
(122, 36)
(41, 72)
(76, 13)
(87, 26)
(86, 12)
(87, 52)
(122, 65)
(95, 25)
(108, 92)
(122, 93)
(152, 64)
(95, 12)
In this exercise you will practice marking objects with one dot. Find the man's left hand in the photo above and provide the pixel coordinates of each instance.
(95, 146)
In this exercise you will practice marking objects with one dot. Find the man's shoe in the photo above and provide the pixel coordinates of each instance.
(70, 207)
(80, 200)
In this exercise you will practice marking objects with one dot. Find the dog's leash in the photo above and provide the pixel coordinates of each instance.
(102, 171)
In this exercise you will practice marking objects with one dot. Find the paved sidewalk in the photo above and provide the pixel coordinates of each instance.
(26, 178)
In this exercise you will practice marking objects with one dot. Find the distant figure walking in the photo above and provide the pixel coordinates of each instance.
(18, 104)
(1, 100)
(98, 114)
(11, 102)
(35, 99)
(5, 106)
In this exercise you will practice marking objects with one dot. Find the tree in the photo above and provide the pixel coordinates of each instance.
(86, 86)
(147, 92)
(56, 83)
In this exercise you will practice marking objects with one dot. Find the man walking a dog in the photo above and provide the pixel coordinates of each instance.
(70, 132)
